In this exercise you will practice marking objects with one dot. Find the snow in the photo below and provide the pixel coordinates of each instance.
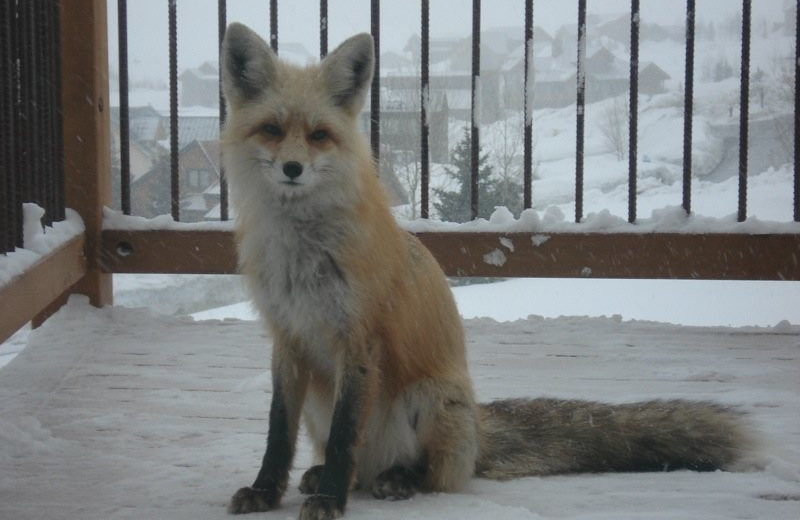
(117, 220)
(120, 413)
(38, 241)
(668, 220)
(495, 257)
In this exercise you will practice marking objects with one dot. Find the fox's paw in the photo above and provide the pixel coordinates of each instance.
(396, 483)
(320, 507)
(309, 483)
(250, 500)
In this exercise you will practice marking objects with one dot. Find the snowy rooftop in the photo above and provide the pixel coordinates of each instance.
(119, 413)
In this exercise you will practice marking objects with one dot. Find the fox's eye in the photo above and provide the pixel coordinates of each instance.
(272, 130)
(318, 135)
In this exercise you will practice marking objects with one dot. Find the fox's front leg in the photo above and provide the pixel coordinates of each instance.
(289, 382)
(352, 401)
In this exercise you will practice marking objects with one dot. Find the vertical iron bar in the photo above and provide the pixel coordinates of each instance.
(581, 103)
(59, 138)
(18, 171)
(688, 107)
(17, 152)
(48, 154)
(7, 82)
(222, 18)
(34, 178)
(527, 102)
(273, 25)
(37, 110)
(797, 115)
(323, 28)
(633, 112)
(24, 88)
(424, 58)
(375, 107)
(475, 108)
(173, 110)
(744, 109)
(124, 118)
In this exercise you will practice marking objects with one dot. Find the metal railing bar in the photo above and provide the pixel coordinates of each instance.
(23, 115)
(273, 25)
(36, 110)
(424, 157)
(744, 109)
(323, 28)
(57, 105)
(527, 107)
(581, 103)
(222, 22)
(797, 115)
(688, 107)
(475, 108)
(124, 115)
(173, 109)
(375, 103)
(7, 81)
(633, 112)
(49, 150)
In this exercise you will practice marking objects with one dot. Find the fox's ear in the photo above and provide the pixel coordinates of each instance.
(347, 72)
(248, 65)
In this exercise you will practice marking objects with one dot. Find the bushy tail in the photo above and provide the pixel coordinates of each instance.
(522, 437)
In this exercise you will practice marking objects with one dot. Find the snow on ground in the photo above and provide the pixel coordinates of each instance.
(120, 413)
(686, 302)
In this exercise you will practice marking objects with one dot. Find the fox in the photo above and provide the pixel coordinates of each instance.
(368, 345)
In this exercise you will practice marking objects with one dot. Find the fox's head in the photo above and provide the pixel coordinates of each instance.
(291, 133)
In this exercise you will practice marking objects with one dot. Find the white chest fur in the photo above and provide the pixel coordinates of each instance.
(294, 277)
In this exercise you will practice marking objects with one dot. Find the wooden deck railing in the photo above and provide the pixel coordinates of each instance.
(86, 264)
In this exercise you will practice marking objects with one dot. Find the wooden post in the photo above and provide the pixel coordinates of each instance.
(87, 130)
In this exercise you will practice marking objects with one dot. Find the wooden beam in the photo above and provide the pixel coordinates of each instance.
(175, 252)
(29, 294)
(718, 256)
(87, 130)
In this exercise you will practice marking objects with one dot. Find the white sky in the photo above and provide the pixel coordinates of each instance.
(299, 22)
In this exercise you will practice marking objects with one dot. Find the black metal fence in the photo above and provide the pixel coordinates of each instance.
(424, 79)
(31, 163)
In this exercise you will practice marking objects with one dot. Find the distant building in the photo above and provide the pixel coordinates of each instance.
(199, 167)
(555, 79)
(400, 119)
(200, 86)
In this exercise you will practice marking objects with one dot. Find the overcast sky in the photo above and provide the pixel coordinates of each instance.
(299, 22)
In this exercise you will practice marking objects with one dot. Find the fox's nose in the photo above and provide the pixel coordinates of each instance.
(292, 169)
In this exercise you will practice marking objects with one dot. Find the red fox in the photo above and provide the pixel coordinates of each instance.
(368, 343)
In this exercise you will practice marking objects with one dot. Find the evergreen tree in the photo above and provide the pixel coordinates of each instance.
(455, 206)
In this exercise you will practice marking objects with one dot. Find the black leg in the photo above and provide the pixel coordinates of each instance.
(265, 493)
(335, 476)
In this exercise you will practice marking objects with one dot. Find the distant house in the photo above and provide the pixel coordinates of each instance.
(652, 79)
(199, 167)
(197, 128)
(198, 173)
(200, 86)
(555, 79)
(400, 113)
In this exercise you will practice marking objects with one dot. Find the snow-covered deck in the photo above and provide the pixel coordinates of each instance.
(119, 413)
